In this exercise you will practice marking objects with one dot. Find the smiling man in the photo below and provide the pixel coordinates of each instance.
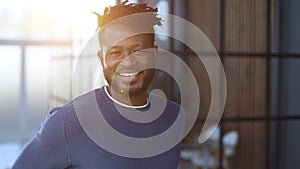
(125, 61)
(75, 136)
(124, 39)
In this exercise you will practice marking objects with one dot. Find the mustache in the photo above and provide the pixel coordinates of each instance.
(135, 68)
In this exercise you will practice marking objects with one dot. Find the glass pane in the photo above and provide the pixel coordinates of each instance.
(162, 41)
(246, 83)
(249, 150)
(205, 15)
(245, 26)
(48, 19)
(286, 86)
(285, 144)
(203, 82)
(9, 152)
(196, 155)
(37, 84)
(10, 76)
(61, 77)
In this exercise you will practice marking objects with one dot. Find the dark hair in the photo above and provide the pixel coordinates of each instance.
(122, 9)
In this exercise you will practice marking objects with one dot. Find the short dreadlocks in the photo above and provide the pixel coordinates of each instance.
(123, 9)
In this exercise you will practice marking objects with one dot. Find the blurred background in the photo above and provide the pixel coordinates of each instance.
(258, 42)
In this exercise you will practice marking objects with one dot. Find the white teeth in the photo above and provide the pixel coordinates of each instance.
(128, 74)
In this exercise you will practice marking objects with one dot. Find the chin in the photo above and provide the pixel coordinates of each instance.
(132, 89)
(138, 86)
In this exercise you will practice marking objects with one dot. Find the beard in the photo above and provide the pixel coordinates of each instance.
(134, 86)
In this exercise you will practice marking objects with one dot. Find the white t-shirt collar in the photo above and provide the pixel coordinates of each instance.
(125, 105)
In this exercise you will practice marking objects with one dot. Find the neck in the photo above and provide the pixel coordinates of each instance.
(137, 99)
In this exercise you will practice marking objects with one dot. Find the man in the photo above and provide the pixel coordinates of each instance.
(69, 137)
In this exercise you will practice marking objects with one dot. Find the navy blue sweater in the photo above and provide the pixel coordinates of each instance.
(62, 143)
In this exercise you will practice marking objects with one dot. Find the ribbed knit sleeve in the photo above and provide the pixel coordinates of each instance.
(48, 149)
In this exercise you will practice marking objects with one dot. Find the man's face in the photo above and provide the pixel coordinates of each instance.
(123, 60)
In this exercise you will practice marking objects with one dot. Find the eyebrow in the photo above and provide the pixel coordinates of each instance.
(119, 47)
(113, 47)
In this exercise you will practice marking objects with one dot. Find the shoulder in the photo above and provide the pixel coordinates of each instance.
(82, 100)
(66, 115)
(78, 107)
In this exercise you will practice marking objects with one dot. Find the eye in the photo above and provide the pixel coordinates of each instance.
(137, 52)
(115, 53)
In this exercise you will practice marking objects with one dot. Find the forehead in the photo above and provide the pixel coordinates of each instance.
(118, 33)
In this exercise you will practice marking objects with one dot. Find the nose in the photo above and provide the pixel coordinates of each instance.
(129, 60)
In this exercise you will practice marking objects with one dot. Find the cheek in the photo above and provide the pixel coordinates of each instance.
(112, 64)
(145, 59)
(148, 63)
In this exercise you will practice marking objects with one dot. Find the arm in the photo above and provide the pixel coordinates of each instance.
(49, 148)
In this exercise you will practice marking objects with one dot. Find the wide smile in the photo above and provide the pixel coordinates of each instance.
(128, 74)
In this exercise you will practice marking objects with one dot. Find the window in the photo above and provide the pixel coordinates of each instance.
(259, 46)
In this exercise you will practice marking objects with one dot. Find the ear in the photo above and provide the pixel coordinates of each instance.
(155, 51)
(100, 56)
